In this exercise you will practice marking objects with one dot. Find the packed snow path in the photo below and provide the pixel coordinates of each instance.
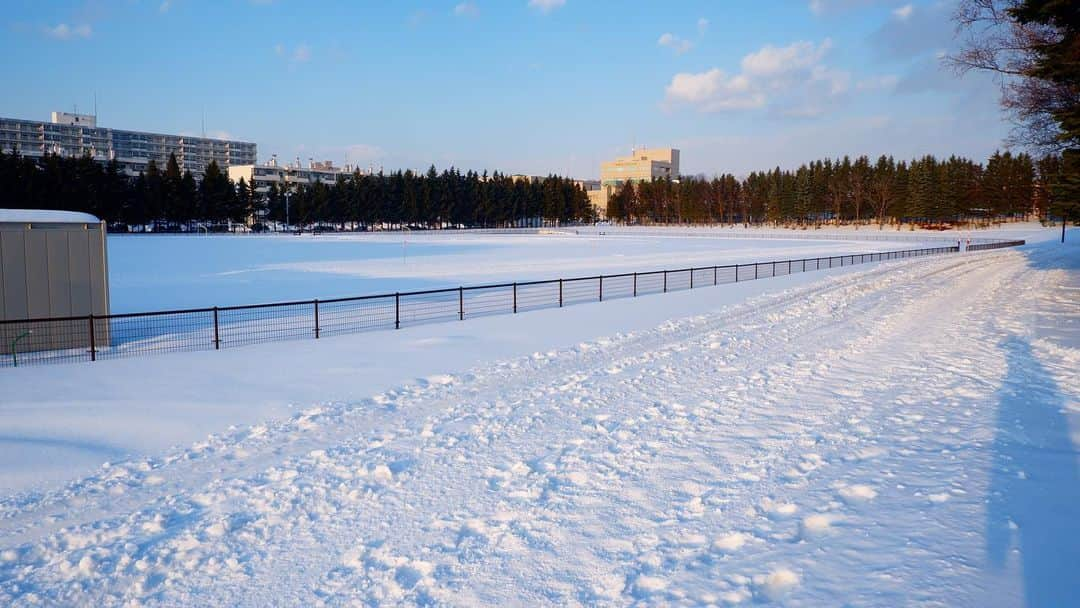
(893, 436)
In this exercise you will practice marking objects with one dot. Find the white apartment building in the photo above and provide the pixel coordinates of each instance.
(288, 175)
(69, 134)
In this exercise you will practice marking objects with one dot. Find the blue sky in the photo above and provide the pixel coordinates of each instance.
(524, 86)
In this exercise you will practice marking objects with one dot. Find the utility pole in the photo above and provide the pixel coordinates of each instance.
(287, 195)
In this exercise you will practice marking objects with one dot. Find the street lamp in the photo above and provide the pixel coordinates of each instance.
(287, 195)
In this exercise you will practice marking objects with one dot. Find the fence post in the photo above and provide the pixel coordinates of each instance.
(665, 281)
(714, 276)
(755, 270)
(397, 310)
(601, 288)
(560, 293)
(691, 278)
(515, 297)
(736, 273)
(461, 303)
(93, 342)
(635, 284)
(316, 318)
(217, 336)
(774, 269)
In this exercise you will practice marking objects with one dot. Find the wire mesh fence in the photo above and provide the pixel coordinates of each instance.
(89, 338)
(809, 233)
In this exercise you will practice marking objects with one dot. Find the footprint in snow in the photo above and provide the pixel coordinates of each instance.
(857, 493)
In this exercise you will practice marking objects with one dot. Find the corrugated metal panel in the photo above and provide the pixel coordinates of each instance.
(99, 273)
(3, 291)
(53, 270)
(58, 273)
(82, 293)
(37, 273)
(13, 242)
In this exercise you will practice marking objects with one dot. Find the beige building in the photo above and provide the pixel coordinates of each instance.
(642, 165)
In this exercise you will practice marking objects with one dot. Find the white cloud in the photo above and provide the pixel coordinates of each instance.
(679, 45)
(772, 61)
(466, 9)
(63, 31)
(791, 81)
(904, 12)
(546, 6)
(165, 6)
(714, 91)
(835, 7)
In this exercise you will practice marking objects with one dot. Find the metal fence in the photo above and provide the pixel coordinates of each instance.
(825, 234)
(126, 335)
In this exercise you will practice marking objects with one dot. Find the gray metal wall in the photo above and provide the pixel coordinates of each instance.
(52, 270)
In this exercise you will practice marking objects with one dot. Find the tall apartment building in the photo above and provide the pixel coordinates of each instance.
(645, 164)
(70, 134)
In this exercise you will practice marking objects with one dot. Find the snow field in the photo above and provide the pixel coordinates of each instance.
(795, 448)
(170, 272)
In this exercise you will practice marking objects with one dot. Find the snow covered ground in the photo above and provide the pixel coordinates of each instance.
(897, 433)
(167, 272)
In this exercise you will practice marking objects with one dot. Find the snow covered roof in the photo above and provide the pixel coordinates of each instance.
(50, 216)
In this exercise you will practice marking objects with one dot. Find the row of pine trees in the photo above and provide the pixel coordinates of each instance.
(171, 198)
(924, 190)
(81, 184)
(433, 200)
(861, 190)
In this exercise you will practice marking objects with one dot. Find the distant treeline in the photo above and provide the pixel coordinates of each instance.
(81, 184)
(170, 198)
(433, 200)
(924, 190)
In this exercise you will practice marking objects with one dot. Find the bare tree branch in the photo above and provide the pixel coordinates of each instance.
(995, 42)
